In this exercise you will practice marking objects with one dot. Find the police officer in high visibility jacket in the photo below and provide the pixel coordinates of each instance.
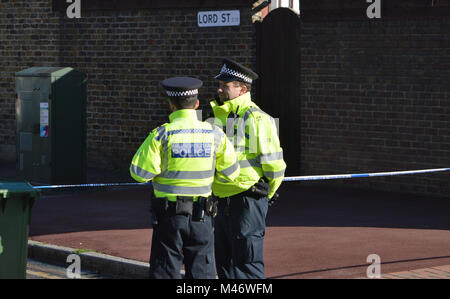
(183, 158)
(240, 223)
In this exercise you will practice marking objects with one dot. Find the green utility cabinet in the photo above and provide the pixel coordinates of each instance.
(51, 125)
(16, 201)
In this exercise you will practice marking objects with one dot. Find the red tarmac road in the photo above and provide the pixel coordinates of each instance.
(312, 232)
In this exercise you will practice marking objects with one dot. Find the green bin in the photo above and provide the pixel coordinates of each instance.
(16, 200)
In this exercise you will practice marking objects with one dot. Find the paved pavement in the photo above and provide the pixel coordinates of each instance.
(39, 270)
(439, 272)
(314, 231)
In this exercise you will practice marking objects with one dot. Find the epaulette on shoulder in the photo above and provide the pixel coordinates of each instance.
(160, 131)
(250, 112)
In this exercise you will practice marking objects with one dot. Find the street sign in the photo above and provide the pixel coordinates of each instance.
(219, 18)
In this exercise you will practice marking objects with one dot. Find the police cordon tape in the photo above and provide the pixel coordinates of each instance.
(286, 179)
(360, 175)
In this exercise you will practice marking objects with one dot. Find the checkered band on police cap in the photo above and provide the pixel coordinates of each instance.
(227, 71)
(234, 71)
(185, 93)
(181, 86)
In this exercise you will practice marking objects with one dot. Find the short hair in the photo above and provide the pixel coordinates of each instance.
(248, 85)
(185, 102)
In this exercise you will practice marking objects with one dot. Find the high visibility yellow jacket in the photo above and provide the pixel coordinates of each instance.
(255, 137)
(184, 157)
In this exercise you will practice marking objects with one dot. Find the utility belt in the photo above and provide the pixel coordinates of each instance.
(259, 190)
(255, 192)
(184, 205)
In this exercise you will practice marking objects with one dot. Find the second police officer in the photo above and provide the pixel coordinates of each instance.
(240, 222)
(183, 158)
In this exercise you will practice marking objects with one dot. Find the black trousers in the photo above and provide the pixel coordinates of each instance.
(239, 230)
(177, 240)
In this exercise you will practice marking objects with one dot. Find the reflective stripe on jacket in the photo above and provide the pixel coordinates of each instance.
(184, 156)
(255, 137)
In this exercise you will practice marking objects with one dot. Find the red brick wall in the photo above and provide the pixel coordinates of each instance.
(28, 36)
(125, 55)
(374, 93)
(375, 97)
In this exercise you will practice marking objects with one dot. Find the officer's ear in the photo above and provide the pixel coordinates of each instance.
(243, 87)
(172, 106)
(197, 104)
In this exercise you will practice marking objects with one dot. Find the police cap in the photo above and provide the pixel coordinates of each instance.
(233, 71)
(181, 86)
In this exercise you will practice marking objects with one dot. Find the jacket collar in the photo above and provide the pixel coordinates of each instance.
(231, 105)
(183, 113)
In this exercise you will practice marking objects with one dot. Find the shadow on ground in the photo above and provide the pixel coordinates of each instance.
(332, 206)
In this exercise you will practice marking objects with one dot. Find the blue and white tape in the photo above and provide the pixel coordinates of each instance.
(286, 179)
(360, 175)
(92, 185)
